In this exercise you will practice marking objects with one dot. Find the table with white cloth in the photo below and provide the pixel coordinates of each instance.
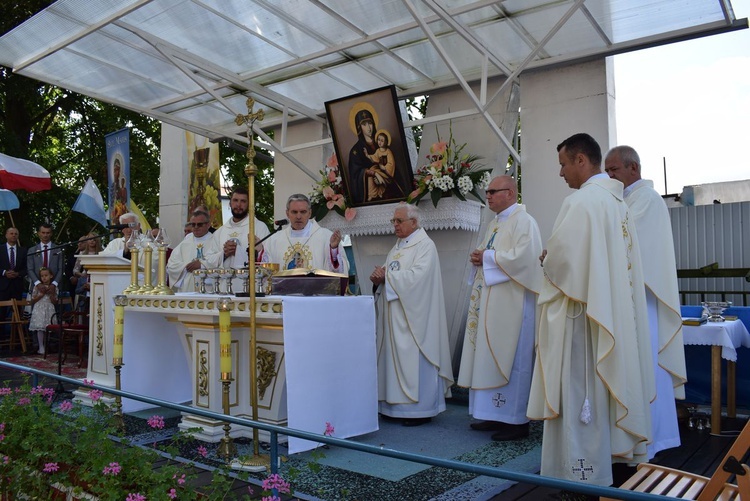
(316, 360)
(724, 339)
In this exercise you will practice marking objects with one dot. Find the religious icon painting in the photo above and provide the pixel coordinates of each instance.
(370, 142)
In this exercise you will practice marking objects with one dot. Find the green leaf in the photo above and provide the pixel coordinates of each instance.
(436, 194)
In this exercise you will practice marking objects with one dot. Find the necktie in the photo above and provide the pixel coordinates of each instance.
(45, 259)
(12, 258)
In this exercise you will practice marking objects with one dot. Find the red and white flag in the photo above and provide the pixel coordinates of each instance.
(17, 173)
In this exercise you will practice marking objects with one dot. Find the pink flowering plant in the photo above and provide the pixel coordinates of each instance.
(48, 447)
(329, 193)
(450, 172)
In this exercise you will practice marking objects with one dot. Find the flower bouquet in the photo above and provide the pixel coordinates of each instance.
(450, 172)
(329, 194)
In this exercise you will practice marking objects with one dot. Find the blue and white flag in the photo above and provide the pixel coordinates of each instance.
(90, 202)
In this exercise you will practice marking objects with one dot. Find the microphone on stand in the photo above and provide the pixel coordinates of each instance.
(281, 222)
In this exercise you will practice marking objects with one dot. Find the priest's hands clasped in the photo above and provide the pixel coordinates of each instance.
(378, 275)
(476, 257)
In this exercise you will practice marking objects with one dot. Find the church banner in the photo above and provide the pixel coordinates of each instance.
(204, 188)
(118, 173)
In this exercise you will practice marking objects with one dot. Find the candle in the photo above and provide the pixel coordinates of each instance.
(119, 329)
(225, 337)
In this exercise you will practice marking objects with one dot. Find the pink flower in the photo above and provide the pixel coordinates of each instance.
(88, 382)
(414, 194)
(6, 460)
(275, 481)
(270, 498)
(328, 193)
(113, 469)
(350, 213)
(331, 176)
(172, 493)
(332, 161)
(180, 480)
(439, 147)
(50, 467)
(24, 401)
(202, 451)
(336, 199)
(156, 422)
(96, 395)
(65, 406)
(329, 430)
(5, 391)
(135, 497)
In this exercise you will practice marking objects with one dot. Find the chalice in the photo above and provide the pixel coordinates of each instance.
(227, 274)
(263, 274)
(243, 275)
(200, 280)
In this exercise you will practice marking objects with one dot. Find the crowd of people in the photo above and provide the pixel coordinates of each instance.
(41, 273)
(582, 332)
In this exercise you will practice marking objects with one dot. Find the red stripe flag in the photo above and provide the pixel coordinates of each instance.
(17, 173)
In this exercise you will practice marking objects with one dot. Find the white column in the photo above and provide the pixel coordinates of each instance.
(173, 182)
(555, 104)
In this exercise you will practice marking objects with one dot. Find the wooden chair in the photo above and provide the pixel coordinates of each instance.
(22, 322)
(73, 331)
(655, 479)
(9, 319)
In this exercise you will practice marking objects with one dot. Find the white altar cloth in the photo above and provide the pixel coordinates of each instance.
(730, 335)
(331, 366)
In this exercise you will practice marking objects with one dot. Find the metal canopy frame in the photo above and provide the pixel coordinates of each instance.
(193, 63)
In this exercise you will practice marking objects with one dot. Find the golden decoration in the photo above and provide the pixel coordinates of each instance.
(266, 369)
(99, 327)
(203, 374)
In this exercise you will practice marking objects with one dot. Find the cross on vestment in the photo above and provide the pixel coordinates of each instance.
(249, 120)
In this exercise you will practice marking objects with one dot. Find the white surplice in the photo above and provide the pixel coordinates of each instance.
(665, 321)
(593, 373)
(204, 249)
(497, 357)
(238, 230)
(414, 362)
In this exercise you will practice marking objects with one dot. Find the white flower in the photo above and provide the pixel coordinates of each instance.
(484, 183)
(465, 185)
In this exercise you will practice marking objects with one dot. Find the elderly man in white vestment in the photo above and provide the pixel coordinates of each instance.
(231, 238)
(593, 376)
(304, 243)
(662, 294)
(498, 350)
(198, 250)
(414, 362)
(116, 247)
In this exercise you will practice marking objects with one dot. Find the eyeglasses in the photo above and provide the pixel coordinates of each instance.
(398, 220)
(492, 192)
(198, 224)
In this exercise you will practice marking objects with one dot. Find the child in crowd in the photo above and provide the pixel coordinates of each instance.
(44, 299)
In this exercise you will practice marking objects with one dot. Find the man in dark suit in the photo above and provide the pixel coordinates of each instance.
(13, 269)
(42, 255)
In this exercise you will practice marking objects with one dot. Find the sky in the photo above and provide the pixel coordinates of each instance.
(688, 102)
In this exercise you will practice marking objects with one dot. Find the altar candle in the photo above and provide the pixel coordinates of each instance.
(225, 337)
(119, 329)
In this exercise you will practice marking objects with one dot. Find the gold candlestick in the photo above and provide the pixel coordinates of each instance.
(161, 269)
(120, 302)
(134, 285)
(147, 287)
(227, 448)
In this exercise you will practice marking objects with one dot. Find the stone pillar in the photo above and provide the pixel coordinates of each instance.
(555, 104)
(173, 195)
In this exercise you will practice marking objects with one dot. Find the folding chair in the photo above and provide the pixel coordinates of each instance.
(655, 479)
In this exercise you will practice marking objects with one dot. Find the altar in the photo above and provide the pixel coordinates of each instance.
(171, 352)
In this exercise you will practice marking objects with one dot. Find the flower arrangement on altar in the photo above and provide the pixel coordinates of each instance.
(451, 172)
(329, 193)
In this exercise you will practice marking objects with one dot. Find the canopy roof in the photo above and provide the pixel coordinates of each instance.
(193, 63)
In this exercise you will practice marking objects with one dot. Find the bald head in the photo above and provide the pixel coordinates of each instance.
(501, 193)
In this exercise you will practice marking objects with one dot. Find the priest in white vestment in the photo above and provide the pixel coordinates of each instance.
(498, 351)
(662, 294)
(231, 238)
(117, 247)
(593, 376)
(414, 361)
(198, 250)
(304, 243)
